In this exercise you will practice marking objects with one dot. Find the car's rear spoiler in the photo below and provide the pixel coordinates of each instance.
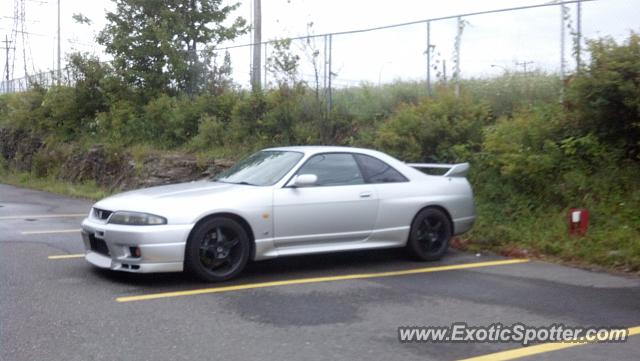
(454, 170)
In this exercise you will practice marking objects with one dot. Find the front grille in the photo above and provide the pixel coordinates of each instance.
(101, 214)
(98, 245)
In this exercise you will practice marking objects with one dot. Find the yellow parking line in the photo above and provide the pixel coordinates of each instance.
(66, 256)
(536, 349)
(44, 216)
(51, 231)
(317, 280)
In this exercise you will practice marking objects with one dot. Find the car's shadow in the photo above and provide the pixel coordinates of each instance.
(285, 268)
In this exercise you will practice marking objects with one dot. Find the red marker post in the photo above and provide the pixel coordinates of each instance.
(578, 221)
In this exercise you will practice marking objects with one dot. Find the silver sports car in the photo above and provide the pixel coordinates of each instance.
(280, 202)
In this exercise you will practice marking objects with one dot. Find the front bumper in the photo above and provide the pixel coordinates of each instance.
(110, 246)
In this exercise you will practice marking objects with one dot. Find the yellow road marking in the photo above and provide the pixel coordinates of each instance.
(200, 291)
(66, 256)
(51, 231)
(536, 349)
(44, 216)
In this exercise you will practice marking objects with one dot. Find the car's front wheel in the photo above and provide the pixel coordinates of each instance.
(217, 250)
(430, 234)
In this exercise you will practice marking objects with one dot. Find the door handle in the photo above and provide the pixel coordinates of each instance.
(365, 194)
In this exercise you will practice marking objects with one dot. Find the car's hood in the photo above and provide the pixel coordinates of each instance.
(160, 197)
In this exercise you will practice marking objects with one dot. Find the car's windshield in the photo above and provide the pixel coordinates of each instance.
(261, 169)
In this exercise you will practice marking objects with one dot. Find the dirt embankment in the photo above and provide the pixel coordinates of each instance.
(113, 170)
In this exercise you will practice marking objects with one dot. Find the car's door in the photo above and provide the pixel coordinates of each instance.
(340, 207)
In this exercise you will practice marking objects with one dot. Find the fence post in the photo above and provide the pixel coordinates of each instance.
(330, 102)
(429, 57)
(266, 58)
(456, 66)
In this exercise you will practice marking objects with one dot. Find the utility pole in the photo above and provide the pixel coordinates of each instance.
(578, 34)
(324, 68)
(257, 46)
(7, 47)
(562, 62)
(59, 67)
(429, 57)
(524, 65)
(194, 72)
(444, 71)
(562, 14)
(330, 99)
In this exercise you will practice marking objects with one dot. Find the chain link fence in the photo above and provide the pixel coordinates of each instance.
(547, 38)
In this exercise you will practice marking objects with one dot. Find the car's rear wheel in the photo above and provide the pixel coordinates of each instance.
(217, 250)
(430, 234)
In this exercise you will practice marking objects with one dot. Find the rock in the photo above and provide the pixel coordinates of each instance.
(114, 171)
(18, 148)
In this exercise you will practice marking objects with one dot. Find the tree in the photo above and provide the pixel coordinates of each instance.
(218, 74)
(155, 43)
(312, 52)
(605, 96)
(283, 64)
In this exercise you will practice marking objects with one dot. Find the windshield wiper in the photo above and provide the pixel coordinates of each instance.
(243, 182)
(246, 183)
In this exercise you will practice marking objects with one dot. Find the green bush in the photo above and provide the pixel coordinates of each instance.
(25, 111)
(91, 77)
(211, 133)
(62, 112)
(440, 128)
(524, 150)
(289, 110)
(286, 115)
(605, 96)
(123, 124)
(532, 154)
(162, 121)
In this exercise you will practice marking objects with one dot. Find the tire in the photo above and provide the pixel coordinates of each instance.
(430, 234)
(217, 250)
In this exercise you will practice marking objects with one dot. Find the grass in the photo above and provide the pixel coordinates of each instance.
(612, 241)
(86, 190)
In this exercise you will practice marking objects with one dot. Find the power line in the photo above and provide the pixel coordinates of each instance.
(524, 65)
(11, 17)
(26, 32)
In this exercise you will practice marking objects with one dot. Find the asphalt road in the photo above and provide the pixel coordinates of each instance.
(64, 309)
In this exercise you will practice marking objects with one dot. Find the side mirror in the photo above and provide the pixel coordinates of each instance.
(305, 180)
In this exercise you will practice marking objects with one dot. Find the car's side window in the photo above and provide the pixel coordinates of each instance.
(377, 171)
(333, 169)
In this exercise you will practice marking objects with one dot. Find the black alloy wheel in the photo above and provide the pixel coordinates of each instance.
(217, 250)
(430, 234)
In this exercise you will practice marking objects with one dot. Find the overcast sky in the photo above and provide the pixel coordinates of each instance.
(496, 39)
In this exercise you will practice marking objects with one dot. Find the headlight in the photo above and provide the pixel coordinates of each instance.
(136, 219)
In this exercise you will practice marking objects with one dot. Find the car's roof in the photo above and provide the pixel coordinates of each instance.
(313, 149)
(310, 150)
